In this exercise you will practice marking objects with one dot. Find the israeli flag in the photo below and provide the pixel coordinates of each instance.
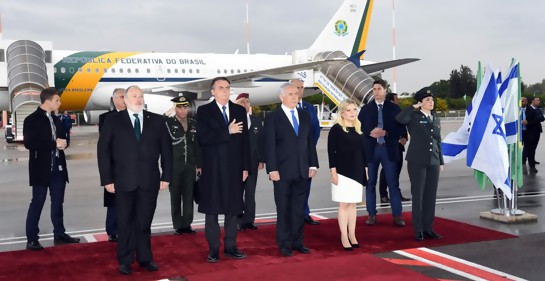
(487, 144)
(508, 92)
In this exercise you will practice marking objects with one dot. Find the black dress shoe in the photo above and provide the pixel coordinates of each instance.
(404, 199)
(432, 234)
(419, 236)
(309, 220)
(65, 239)
(399, 221)
(188, 230)
(213, 258)
(537, 163)
(112, 238)
(286, 252)
(533, 170)
(371, 220)
(34, 246)
(150, 266)
(302, 250)
(241, 227)
(357, 245)
(234, 253)
(251, 226)
(384, 200)
(125, 269)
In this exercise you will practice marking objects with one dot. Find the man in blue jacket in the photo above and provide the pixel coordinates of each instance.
(315, 133)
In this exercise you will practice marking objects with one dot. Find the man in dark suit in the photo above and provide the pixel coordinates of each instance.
(291, 160)
(315, 132)
(129, 148)
(382, 133)
(45, 140)
(257, 162)
(118, 101)
(383, 187)
(223, 137)
(534, 117)
(424, 161)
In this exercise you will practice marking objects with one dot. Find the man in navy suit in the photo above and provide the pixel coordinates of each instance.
(315, 133)
(130, 147)
(382, 133)
(291, 160)
(222, 132)
(118, 101)
(534, 117)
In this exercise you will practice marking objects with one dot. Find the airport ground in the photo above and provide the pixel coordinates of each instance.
(459, 199)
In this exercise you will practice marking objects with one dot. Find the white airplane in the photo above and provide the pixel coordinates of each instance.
(87, 79)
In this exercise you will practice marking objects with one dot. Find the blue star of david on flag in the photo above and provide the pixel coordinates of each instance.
(498, 130)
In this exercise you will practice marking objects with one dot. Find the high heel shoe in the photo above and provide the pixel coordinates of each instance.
(357, 245)
(346, 248)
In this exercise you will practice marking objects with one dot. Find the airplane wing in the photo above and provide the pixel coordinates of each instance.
(379, 66)
(245, 79)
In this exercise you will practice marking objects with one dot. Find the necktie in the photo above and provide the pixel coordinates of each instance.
(380, 140)
(225, 115)
(137, 131)
(295, 124)
(430, 119)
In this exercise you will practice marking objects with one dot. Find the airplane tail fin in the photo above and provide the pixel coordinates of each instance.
(347, 30)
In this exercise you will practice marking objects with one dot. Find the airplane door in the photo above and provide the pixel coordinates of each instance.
(160, 73)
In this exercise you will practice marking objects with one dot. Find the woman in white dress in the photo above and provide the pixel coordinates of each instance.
(345, 147)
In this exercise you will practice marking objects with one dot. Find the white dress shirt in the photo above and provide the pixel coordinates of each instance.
(287, 111)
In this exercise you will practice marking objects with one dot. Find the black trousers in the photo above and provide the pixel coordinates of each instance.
(424, 181)
(39, 193)
(249, 199)
(111, 220)
(181, 197)
(135, 210)
(530, 147)
(290, 197)
(212, 232)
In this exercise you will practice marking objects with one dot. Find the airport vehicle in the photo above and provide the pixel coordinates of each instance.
(332, 64)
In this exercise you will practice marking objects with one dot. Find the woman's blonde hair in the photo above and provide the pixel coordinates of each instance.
(342, 108)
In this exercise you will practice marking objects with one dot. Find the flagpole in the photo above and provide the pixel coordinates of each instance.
(514, 204)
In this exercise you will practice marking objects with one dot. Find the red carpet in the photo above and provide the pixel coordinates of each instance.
(186, 255)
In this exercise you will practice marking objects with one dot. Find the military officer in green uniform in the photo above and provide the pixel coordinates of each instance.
(424, 161)
(183, 132)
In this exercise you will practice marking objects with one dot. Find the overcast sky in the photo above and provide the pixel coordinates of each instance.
(443, 34)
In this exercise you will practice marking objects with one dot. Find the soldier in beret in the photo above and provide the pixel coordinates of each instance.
(424, 161)
(183, 132)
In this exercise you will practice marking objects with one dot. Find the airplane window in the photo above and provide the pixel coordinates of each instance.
(219, 71)
(238, 70)
(128, 70)
(232, 71)
(113, 70)
(88, 70)
(245, 70)
(225, 71)
(71, 70)
(79, 69)
(197, 71)
(136, 71)
(168, 70)
(183, 70)
(105, 70)
(148, 70)
(176, 70)
(96, 70)
(63, 70)
(121, 70)
(190, 70)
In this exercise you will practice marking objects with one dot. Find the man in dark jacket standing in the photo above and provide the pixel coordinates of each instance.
(44, 137)
(223, 138)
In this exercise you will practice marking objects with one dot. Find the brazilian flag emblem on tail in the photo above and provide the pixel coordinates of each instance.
(341, 28)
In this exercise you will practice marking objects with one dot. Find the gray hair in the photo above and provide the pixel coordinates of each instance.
(117, 90)
(133, 86)
(284, 86)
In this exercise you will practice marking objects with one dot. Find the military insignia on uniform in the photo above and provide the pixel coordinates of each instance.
(341, 28)
(256, 130)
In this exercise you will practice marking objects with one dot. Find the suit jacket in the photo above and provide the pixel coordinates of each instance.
(368, 117)
(224, 156)
(109, 198)
(314, 122)
(534, 118)
(423, 135)
(131, 163)
(257, 143)
(37, 139)
(289, 154)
